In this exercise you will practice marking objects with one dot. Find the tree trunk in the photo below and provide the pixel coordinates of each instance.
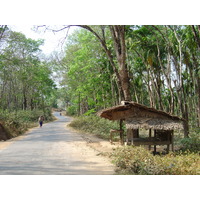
(118, 35)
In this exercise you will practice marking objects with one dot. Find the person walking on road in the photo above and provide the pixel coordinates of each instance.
(40, 120)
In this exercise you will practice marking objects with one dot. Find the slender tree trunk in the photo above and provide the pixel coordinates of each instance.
(198, 92)
(118, 35)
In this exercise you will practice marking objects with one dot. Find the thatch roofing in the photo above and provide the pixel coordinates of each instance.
(140, 116)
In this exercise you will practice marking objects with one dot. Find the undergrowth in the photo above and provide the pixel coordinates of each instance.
(192, 143)
(139, 161)
(95, 125)
(16, 123)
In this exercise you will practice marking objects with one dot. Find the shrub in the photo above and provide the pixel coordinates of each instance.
(95, 125)
(16, 123)
(71, 110)
(137, 160)
(192, 143)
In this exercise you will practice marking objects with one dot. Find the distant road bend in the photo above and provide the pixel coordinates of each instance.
(52, 150)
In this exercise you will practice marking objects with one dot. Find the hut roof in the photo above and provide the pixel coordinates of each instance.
(140, 116)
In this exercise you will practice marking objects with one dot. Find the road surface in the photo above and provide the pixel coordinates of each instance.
(52, 150)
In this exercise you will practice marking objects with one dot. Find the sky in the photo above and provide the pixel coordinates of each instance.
(53, 41)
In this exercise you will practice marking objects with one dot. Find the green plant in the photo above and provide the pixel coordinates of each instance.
(16, 123)
(192, 143)
(95, 125)
(71, 110)
(138, 161)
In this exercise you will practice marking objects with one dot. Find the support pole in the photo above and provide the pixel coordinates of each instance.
(173, 140)
(149, 138)
(121, 132)
(155, 139)
(169, 140)
(111, 136)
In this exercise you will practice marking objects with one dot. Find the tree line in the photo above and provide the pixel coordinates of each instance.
(25, 78)
(155, 65)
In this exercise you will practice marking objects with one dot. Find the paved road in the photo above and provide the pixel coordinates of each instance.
(52, 150)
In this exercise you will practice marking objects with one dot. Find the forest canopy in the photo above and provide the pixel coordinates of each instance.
(25, 79)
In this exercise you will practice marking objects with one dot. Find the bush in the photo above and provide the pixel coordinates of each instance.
(16, 123)
(95, 125)
(137, 160)
(192, 143)
(71, 110)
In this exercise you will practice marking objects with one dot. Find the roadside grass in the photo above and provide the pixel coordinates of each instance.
(139, 161)
(94, 125)
(16, 123)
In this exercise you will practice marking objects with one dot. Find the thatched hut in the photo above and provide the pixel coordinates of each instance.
(137, 116)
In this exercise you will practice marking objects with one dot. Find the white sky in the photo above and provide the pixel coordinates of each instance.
(53, 41)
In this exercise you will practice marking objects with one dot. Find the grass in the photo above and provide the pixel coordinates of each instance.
(139, 161)
(95, 125)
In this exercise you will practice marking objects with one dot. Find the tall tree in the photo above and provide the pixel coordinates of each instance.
(25, 80)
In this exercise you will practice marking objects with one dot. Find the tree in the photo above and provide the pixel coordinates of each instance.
(25, 80)
(87, 74)
(118, 36)
(118, 56)
(155, 65)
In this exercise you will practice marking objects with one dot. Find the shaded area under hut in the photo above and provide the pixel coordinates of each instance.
(161, 125)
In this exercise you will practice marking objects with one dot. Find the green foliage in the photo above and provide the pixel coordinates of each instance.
(25, 79)
(72, 110)
(192, 143)
(138, 161)
(89, 112)
(86, 73)
(17, 123)
(95, 125)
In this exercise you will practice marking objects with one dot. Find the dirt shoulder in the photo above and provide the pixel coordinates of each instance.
(102, 146)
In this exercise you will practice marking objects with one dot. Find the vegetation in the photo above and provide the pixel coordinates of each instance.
(26, 87)
(16, 123)
(138, 161)
(95, 125)
(192, 143)
(162, 63)
(25, 79)
(157, 66)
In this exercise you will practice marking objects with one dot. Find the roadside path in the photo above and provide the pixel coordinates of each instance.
(52, 150)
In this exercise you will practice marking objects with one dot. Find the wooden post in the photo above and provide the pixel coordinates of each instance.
(155, 139)
(149, 138)
(111, 136)
(121, 132)
(168, 139)
(132, 136)
(173, 140)
(168, 148)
